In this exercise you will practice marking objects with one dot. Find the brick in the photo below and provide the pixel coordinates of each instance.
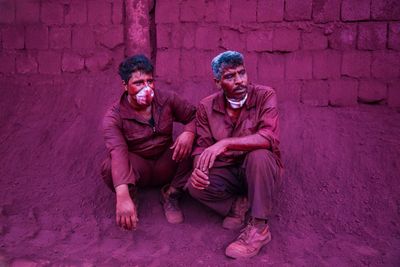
(394, 36)
(315, 40)
(49, 62)
(72, 62)
(76, 12)
(192, 11)
(259, 41)
(288, 91)
(99, 12)
(343, 37)
(270, 10)
(250, 63)
(26, 63)
(315, 93)
(213, 11)
(163, 11)
(52, 13)
(168, 58)
(385, 9)
(299, 65)
(372, 36)
(343, 92)
(27, 11)
(326, 64)
(112, 37)
(233, 40)
(243, 11)
(394, 94)
(7, 62)
(183, 36)
(99, 61)
(195, 64)
(356, 64)
(207, 37)
(37, 37)
(353, 10)
(163, 35)
(271, 67)
(286, 40)
(117, 11)
(13, 37)
(60, 37)
(372, 91)
(82, 38)
(326, 10)
(385, 64)
(298, 10)
(7, 11)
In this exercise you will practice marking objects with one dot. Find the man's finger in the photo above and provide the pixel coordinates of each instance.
(199, 164)
(128, 223)
(177, 153)
(206, 162)
(134, 221)
(173, 146)
(212, 160)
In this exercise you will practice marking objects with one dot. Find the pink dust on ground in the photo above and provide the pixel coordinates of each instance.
(339, 205)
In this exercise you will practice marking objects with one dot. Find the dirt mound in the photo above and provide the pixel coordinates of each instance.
(339, 205)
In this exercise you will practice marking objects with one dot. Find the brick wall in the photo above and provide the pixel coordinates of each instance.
(63, 36)
(321, 52)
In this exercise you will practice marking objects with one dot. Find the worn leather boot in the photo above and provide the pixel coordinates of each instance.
(251, 239)
(170, 202)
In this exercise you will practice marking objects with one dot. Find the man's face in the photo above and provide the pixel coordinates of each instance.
(234, 82)
(137, 82)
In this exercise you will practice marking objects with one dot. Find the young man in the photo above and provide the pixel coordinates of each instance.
(138, 135)
(237, 162)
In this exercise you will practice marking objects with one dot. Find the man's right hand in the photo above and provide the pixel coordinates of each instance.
(126, 213)
(199, 179)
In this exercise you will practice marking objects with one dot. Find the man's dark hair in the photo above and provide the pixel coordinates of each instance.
(132, 64)
(227, 59)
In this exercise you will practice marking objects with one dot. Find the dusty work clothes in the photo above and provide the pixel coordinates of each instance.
(139, 149)
(256, 173)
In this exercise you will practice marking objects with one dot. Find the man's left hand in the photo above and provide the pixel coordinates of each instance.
(207, 158)
(182, 146)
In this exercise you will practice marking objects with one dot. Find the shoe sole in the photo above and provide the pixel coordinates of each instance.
(236, 255)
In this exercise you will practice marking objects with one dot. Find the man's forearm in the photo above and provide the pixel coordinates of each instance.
(246, 143)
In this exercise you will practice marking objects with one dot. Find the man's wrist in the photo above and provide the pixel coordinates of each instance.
(122, 190)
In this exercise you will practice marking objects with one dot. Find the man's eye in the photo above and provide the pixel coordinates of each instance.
(230, 76)
(242, 72)
(138, 83)
(150, 81)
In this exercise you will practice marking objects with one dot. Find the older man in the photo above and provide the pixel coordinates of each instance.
(237, 160)
(138, 136)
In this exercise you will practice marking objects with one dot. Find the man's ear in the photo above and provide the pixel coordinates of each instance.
(124, 85)
(217, 83)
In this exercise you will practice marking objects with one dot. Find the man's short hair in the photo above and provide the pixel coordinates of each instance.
(132, 64)
(227, 59)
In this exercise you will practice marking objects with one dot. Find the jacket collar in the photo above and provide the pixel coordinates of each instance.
(219, 101)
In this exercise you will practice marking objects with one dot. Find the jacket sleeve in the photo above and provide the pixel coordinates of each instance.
(204, 137)
(118, 149)
(268, 125)
(184, 112)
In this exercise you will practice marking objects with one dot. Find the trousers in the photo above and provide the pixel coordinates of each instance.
(257, 177)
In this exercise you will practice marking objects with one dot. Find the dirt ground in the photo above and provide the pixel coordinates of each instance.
(339, 204)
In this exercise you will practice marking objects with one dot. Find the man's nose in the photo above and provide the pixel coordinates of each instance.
(238, 79)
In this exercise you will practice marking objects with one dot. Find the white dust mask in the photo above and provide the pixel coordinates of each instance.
(235, 104)
(144, 96)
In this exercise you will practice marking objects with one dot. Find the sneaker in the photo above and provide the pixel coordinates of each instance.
(252, 238)
(170, 202)
(236, 217)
